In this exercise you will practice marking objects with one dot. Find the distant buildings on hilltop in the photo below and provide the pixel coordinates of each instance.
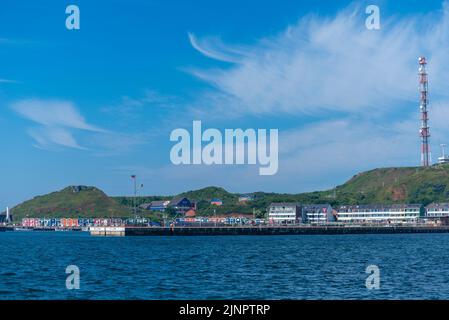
(245, 198)
(216, 202)
(179, 204)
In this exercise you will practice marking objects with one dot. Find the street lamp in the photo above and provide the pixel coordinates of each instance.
(134, 178)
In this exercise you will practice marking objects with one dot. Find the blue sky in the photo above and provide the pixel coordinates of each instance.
(94, 105)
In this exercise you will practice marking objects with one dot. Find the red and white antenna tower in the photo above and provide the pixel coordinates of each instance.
(424, 130)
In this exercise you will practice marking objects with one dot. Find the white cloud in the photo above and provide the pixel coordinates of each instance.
(322, 64)
(214, 48)
(57, 122)
(53, 113)
(45, 137)
(60, 123)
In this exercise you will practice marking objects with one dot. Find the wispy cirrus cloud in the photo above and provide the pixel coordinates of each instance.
(214, 48)
(53, 113)
(326, 64)
(57, 121)
(46, 137)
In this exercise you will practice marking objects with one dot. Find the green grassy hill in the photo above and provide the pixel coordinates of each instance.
(385, 185)
(71, 202)
(395, 185)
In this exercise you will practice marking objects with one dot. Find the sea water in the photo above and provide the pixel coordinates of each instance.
(411, 266)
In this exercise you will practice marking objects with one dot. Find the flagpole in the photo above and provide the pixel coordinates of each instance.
(135, 195)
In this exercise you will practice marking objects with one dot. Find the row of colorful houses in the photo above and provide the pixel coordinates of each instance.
(231, 219)
(292, 212)
(81, 222)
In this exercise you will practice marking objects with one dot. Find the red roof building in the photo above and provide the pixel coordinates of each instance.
(190, 213)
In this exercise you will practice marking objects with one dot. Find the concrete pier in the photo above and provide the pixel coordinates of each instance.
(280, 230)
(107, 231)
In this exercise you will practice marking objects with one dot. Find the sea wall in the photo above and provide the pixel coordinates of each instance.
(281, 230)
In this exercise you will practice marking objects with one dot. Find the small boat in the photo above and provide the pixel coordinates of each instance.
(22, 229)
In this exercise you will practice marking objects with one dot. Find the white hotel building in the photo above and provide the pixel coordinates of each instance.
(284, 213)
(437, 210)
(396, 213)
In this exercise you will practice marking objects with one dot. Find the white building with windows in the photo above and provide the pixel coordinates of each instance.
(317, 213)
(396, 213)
(437, 210)
(284, 213)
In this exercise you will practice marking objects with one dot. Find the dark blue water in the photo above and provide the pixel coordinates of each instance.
(33, 264)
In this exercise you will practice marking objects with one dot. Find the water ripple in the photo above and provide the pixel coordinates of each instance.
(230, 267)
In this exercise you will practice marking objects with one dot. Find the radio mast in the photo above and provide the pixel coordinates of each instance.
(424, 130)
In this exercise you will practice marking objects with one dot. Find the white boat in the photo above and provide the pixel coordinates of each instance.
(22, 229)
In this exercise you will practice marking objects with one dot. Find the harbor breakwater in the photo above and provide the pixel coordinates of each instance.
(249, 230)
(280, 230)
